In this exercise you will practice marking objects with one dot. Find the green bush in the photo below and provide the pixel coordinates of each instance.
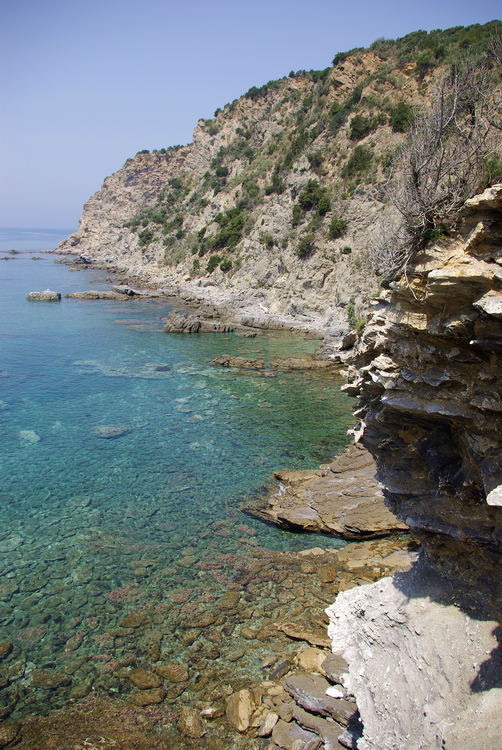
(145, 237)
(231, 225)
(316, 159)
(226, 265)
(346, 250)
(401, 117)
(213, 262)
(360, 127)
(337, 227)
(359, 162)
(314, 196)
(267, 239)
(305, 245)
(276, 186)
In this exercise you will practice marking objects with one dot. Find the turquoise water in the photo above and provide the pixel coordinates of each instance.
(92, 528)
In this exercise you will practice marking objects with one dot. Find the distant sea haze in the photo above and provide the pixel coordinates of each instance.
(31, 239)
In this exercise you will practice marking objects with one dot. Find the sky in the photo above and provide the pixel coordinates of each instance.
(84, 85)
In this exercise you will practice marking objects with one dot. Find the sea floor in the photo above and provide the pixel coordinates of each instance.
(125, 457)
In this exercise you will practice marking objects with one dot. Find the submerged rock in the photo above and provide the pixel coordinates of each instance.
(111, 431)
(29, 437)
(245, 363)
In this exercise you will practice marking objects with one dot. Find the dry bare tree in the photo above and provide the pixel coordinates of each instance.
(441, 162)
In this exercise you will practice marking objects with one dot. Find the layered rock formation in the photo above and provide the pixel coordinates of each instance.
(340, 498)
(423, 648)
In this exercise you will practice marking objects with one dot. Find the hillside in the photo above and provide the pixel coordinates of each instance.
(272, 206)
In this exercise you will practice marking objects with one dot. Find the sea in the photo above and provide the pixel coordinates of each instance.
(126, 457)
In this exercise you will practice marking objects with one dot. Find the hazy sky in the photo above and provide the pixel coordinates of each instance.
(85, 85)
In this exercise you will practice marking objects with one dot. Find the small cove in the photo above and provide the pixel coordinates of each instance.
(147, 523)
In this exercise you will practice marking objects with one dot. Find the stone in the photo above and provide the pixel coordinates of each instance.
(190, 724)
(133, 621)
(174, 672)
(29, 437)
(245, 363)
(5, 649)
(265, 729)
(328, 731)
(285, 735)
(240, 707)
(311, 659)
(45, 296)
(297, 632)
(144, 679)
(94, 294)
(309, 691)
(179, 322)
(49, 679)
(8, 733)
(147, 697)
(111, 431)
(327, 573)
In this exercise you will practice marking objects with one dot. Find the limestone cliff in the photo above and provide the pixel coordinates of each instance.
(271, 207)
(423, 647)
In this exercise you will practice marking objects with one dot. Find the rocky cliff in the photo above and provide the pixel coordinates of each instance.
(270, 209)
(423, 648)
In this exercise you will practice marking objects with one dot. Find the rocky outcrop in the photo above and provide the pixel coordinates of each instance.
(423, 651)
(45, 296)
(343, 498)
(179, 322)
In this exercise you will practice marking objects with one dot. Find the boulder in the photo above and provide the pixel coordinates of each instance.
(190, 724)
(240, 708)
(45, 296)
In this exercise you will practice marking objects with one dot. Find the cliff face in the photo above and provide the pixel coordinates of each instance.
(425, 658)
(265, 207)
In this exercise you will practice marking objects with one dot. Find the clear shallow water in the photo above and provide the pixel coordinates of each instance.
(92, 529)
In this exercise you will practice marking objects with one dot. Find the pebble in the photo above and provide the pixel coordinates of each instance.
(190, 724)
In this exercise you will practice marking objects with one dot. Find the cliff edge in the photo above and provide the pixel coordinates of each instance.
(423, 647)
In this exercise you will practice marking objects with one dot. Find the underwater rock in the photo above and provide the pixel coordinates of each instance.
(143, 679)
(111, 431)
(49, 679)
(228, 360)
(29, 437)
(190, 724)
(174, 672)
(5, 649)
(147, 697)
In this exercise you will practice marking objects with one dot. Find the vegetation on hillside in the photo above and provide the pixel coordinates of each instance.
(411, 121)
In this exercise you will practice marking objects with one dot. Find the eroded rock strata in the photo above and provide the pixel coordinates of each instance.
(341, 498)
(423, 647)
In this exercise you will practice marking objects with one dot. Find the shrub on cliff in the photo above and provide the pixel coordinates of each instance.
(337, 227)
(359, 162)
(305, 245)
